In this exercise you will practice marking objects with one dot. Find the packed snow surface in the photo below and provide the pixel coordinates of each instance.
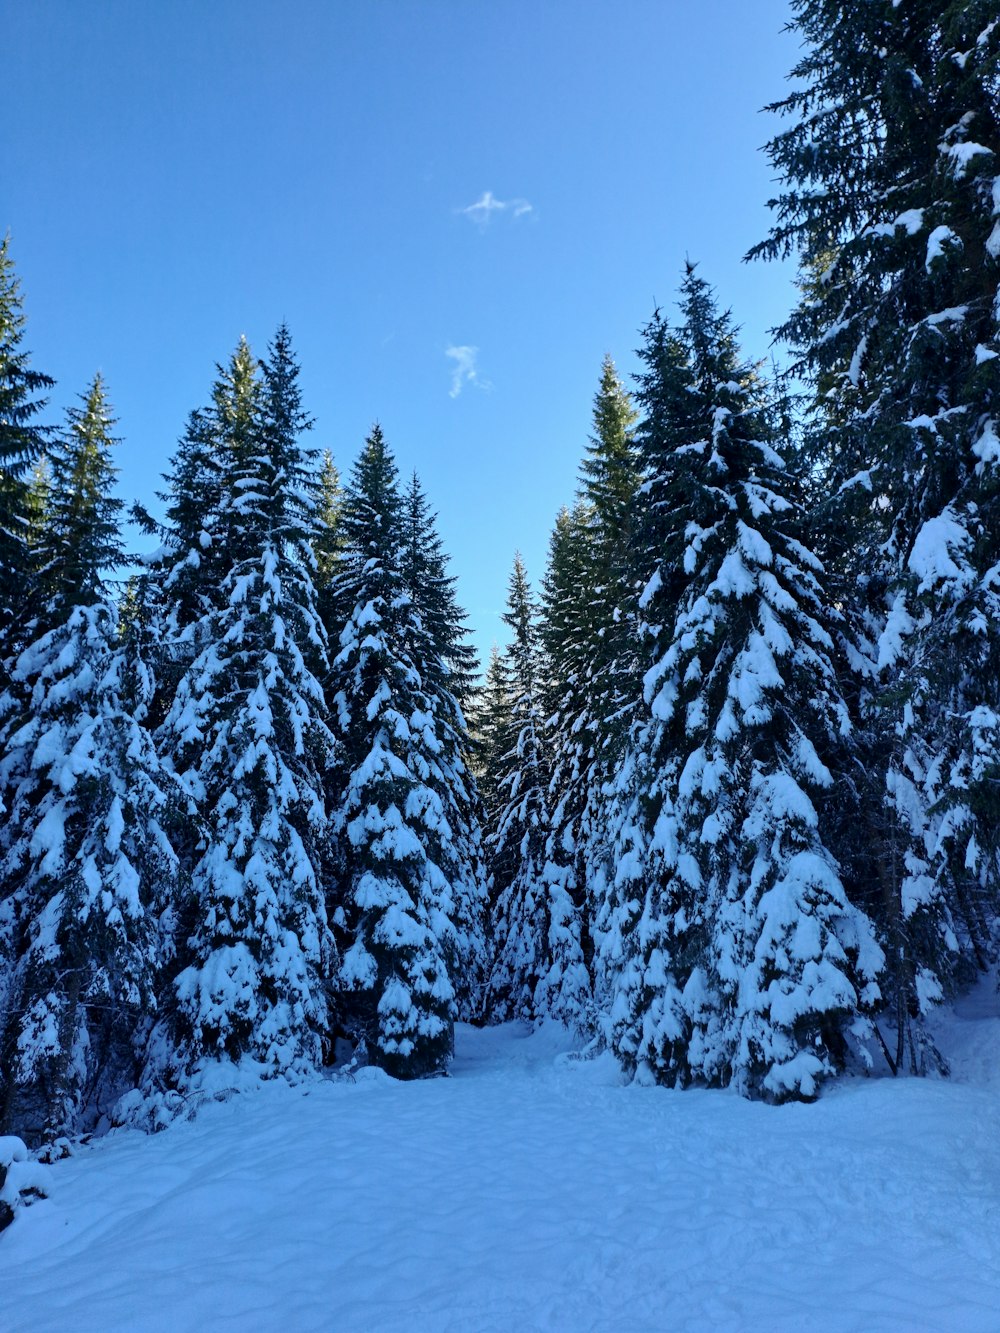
(532, 1191)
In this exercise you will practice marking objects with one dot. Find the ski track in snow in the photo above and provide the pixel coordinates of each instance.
(532, 1192)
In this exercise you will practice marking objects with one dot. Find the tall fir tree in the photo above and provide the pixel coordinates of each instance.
(649, 934)
(247, 732)
(756, 968)
(451, 658)
(590, 638)
(186, 570)
(531, 917)
(329, 541)
(78, 524)
(490, 714)
(439, 645)
(610, 480)
(567, 634)
(395, 905)
(38, 498)
(85, 852)
(890, 169)
(22, 441)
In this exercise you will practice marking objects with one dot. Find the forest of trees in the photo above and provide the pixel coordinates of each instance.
(727, 802)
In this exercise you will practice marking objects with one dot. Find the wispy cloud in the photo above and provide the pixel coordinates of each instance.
(481, 212)
(465, 370)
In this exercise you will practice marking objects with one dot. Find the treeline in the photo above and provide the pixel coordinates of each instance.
(736, 804)
(239, 821)
(744, 775)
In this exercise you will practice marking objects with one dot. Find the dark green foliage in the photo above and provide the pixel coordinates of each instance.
(328, 543)
(448, 666)
(610, 484)
(396, 903)
(22, 441)
(733, 952)
(527, 934)
(890, 170)
(490, 714)
(80, 539)
(569, 643)
(247, 728)
(85, 859)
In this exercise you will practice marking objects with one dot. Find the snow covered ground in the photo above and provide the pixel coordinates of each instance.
(532, 1191)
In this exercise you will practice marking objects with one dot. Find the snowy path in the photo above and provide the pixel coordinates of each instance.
(531, 1192)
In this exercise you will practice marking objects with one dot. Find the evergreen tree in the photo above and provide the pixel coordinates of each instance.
(38, 499)
(610, 487)
(248, 734)
(756, 968)
(451, 658)
(568, 639)
(79, 526)
(187, 569)
(396, 905)
(22, 441)
(531, 918)
(589, 634)
(328, 549)
(890, 202)
(329, 541)
(85, 856)
(491, 712)
(448, 666)
(650, 934)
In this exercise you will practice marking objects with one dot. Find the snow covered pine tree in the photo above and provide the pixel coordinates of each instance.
(592, 687)
(754, 968)
(21, 444)
(892, 203)
(534, 927)
(395, 906)
(247, 733)
(448, 668)
(85, 858)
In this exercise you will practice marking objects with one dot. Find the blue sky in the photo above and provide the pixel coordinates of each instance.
(402, 182)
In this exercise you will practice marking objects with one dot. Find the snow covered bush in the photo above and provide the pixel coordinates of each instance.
(21, 1179)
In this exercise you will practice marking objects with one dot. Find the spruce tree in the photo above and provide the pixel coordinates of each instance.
(650, 934)
(610, 483)
(38, 499)
(22, 441)
(568, 638)
(490, 715)
(531, 920)
(247, 732)
(85, 853)
(756, 968)
(329, 540)
(187, 568)
(439, 645)
(890, 170)
(451, 658)
(395, 904)
(590, 638)
(79, 524)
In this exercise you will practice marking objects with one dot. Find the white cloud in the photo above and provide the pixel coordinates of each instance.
(465, 370)
(484, 208)
(487, 204)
